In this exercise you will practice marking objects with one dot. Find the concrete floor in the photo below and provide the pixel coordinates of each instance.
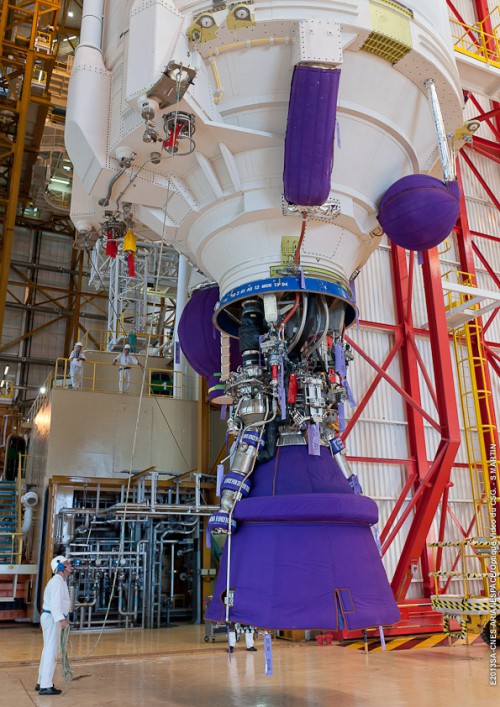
(176, 668)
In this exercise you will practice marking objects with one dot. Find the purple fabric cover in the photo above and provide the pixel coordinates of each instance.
(304, 556)
(310, 134)
(200, 340)
(418, 212)
(283, 475)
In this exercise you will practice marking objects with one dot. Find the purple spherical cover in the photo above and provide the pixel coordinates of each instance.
(418, 211)
(201, 341)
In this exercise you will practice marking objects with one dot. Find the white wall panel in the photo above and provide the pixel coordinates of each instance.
(374, 291)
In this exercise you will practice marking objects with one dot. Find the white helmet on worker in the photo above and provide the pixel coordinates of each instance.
(58, 564)
(127, 346)
(78, 343)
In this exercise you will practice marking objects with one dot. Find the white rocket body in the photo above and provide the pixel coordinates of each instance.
(222, 205)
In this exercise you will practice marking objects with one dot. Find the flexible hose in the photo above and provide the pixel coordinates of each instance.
(67, 673)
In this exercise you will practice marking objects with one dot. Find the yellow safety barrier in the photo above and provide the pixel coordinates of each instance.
(100, 376)
(474, 41)
(16, 547)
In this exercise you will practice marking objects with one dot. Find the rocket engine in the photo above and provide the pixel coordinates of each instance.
(255, 99)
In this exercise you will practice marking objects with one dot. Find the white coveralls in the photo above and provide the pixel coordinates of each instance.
(56, 601)
(76, 360)
(248, 639)
(125, 360)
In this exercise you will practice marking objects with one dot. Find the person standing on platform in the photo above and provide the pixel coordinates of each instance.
(76, 360)
(56, 605)
(125, 360)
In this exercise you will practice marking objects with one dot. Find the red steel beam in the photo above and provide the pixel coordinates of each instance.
(488, 116)
(483, 16)
(392, 382)
(488, 148)
(439, 474)
(381, 370)
(410, 361)
(480, 179)
(463, 22)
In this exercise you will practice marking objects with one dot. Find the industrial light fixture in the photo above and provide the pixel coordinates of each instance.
(43, 390)
(60, 180)
(6, 370)
(2, 384)
(70, 13)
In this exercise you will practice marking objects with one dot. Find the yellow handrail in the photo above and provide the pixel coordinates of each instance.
(474, 41)
(102, 376)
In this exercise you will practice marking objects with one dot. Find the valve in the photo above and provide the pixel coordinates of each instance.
(179, 128)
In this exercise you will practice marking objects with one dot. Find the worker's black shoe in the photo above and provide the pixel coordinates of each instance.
(230, 649)
(50, 691)
(252, 648)
(37, 686)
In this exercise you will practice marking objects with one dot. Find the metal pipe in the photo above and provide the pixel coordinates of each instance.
(449, 172)
(179, 359)
(125, 163)
(91, 25)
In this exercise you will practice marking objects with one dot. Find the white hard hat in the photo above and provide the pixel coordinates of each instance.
(127, 346)
(56, 562)
(78, 343)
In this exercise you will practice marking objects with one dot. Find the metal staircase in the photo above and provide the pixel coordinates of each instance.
(478, 552)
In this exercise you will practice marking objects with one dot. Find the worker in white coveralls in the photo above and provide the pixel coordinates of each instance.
(56, 605)
(76, 361)
(249, 635)
(125, 360)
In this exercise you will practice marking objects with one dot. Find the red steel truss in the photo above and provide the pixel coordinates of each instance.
(428, 480)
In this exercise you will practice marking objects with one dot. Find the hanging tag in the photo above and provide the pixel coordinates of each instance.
(223, 412)
(302, 279)
(376, 537)
(340, 360)
(282, 399)
(355, 485)
(220, 478)
(341, 416)
(382, 637)
(268, 654)
(177, 357)
(350, 396)
(314, 448)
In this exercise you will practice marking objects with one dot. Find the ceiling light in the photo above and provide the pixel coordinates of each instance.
(2, 384)
(70, 13)
(60, 180)
(43, 390)
(6, 370)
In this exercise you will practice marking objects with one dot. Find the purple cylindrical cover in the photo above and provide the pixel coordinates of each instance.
(310, 134)
(303, 555)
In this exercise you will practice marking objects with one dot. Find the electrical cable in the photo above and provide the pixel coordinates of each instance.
(66, 670)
